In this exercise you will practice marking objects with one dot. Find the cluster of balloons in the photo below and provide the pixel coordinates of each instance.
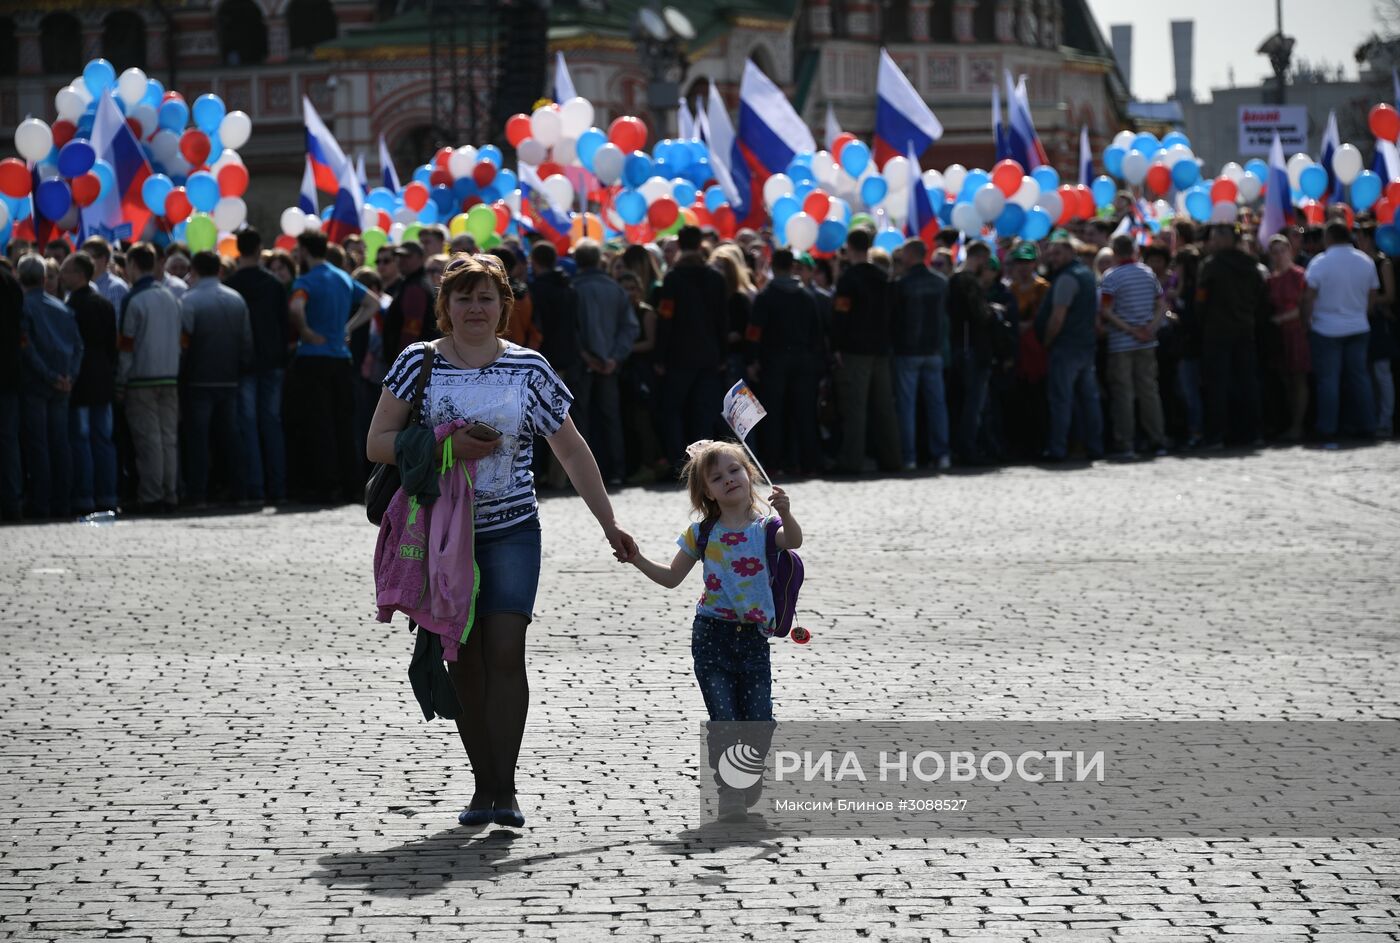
(196, 189)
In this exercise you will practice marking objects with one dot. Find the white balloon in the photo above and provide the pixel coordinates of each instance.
(405, 215)
(80, 86)
(607, 163)
(989, 202)
(396, 233)
(131, 86)
(1296, 165)
(953, 177)
(801, 232)
(614, 221)
(1028, 194)
(966, 218)
(145, 116)
(69, 104)
(823, 167)
(1346, 163)
(369, 216)
(576, 116)
(933, 180)
(558, 191)
(778, 185)
(839, 209)
(1123, 139)
(529, 151)
(1177, 153)
(546, 126)
(1161, 209)
(460, 163)
(33, 139)
(1250, 187)
(1053, 205)
(70, 218)
(4, 214)
(293, 221)
(513, 201)
(565, 151)
(1233, 171)
(313, 223)
(230, 212)
(1223, 212)
(235, 129)
(896, 172)
(1135, 166)
(654, 188)
(165, 147)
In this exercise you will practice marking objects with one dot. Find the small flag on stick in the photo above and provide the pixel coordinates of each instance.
(742, 411)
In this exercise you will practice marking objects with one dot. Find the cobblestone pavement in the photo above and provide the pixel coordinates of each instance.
(206, 736)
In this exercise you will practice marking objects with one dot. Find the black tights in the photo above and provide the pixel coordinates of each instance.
(494, 694)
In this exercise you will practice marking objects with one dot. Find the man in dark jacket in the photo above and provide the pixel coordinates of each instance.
(970, 320)
(780, 342)
(554, 309)
(691, 327)
(860, 340)
(1065, 324)
(1231, 295)
(11, 469)
(410, 317)
(52, 354)
(919, 329)
(90, 405)
(260, 388)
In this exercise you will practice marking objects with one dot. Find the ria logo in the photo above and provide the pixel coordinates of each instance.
(740, 766)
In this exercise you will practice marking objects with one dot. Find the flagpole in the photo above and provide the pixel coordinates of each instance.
(762, 471)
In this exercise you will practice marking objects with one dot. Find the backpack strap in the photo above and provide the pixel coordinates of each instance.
(420, 388)
(770, 543)
(702, 540)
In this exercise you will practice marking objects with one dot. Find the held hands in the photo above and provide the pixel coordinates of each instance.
(780, 502)
(623, 546)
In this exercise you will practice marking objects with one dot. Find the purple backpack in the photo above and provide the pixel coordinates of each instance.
(785, 574)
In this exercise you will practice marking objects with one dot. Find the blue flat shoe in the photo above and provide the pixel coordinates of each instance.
(508, 813)
(478, 813)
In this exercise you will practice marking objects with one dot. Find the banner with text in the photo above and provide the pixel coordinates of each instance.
(1259, 122)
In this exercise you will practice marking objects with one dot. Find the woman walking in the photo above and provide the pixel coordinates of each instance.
(482, 379)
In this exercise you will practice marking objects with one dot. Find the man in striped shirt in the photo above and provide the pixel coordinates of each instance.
(1133, 306)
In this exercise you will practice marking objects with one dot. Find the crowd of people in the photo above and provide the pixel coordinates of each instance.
(149, 379)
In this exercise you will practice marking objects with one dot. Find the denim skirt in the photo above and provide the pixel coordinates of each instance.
(509, 563)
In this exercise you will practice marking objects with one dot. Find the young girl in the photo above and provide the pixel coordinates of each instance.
(729, 639)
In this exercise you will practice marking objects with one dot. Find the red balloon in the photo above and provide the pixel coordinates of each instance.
(839, 144)
(816, 205)
(441, 158)
(285, 242)
(663, 213)
(1159, 178)
(483, 173)
(415, 196)
(194, 145)
(85, 188)
(1312, 211)
(640, 233)
(1006, 176)
(441, 177)
(628, 133)
(1385, 122)
(63, 132)
(1392, 192)
(702, 213)
(1384, 209)
(502, 217)
(14, 178)
(548, 169)
(517, 129)
(233, 180)
(1223, 190)
(1070, 202)
(171, 96)
(1086, 201)
(726, 223)
(177, 204)
(385, 221)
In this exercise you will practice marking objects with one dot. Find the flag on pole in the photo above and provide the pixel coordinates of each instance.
(902, 119)
(770, 134)
(563, 82)
(702, 124)
(1022, 141)
(306, 199)
(121, 213)
(998, 129)
(360, 170)
(922, 223)
(1277, 211)
(720, 137)
(1086, 157)
(685, 122)
(742, 410)
(328, 161)
(1331, 140)
(833, 127)
(386, 168)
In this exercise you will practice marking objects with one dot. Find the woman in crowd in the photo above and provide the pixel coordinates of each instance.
(1292, 359)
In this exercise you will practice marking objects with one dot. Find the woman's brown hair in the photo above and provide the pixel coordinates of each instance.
(462, 273)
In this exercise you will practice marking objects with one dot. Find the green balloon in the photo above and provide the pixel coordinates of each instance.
(411, 232)
(672, 229)
(374, 239)
(481, 223)
(201, 234)
(862, 219)
(491, 241)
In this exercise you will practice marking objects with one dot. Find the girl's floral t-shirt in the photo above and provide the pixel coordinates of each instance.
(735, 570)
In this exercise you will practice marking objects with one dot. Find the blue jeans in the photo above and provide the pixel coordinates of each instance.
(920, 377)
(733, 669)
(1188, 382)
(211, 409)
(46, 458)
(260, 422)
(11, 468)
(1339, 365)
(1073, 390)
(94, 457)
(974, 380)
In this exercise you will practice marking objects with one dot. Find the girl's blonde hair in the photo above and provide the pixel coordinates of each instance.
(734, 268)
(701, 458)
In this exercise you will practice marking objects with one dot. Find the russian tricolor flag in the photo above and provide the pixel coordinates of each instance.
(922, 222)
(114, 142)
(322, 149)
(1022, 141)
(386, 167)
(902, 120)
(1086, 157)
(1277, 211)
(770, 135)
(1331, 140)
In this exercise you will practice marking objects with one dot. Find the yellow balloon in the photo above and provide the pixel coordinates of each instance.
(458, 225)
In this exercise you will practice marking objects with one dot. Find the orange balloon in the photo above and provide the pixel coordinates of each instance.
(591, 229)
(228, 247)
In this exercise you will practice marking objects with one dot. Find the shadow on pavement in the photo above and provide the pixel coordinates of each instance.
(713, 837)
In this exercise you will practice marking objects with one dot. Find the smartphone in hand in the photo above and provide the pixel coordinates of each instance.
(483, 431)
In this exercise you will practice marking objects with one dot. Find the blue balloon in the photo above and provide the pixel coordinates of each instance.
(1012, 218)
(888, 239)
(53, 198)
(855, 157)
(873, 190)
(681, 157)
(203, 191)
(445, 201)
(463, 188)
(1172, 138)
(1036, 224)
(506, 181)
(938, 195)
(75, 158)
(155, 92)
(698, 172)
(974, 181)
(1365, 190)
(489, 193)
(1388, 239)
(429, 213)
(1198, 204)
(20, 207)
(831, 234)
(800, 191)
(587, 146)
(1147, 143)
(636, 170)
(684, 192)
(1113, 159)
(1313, 181)
(1047, 177)
(154, 191)
(209, 110)
(715, 198)
(801, 160)
(631, 206)
(423, 174)
(177, 234)
(173, 115)
(945, 212)
(98, 76)
(1185, 173)
(1258, 168)
(106, 175)
(1104, 190)
(784, 208)
(491, 154)
(801, 173)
